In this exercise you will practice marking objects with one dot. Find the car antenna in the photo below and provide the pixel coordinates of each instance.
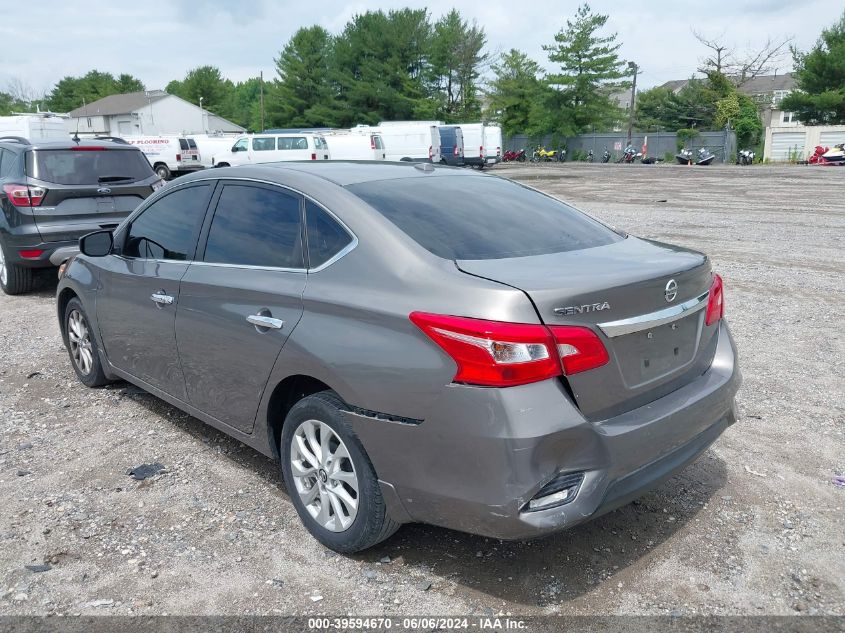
(84, 112)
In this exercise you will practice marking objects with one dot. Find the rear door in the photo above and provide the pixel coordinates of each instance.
(87, 188)
(241, 300)
(139, 295)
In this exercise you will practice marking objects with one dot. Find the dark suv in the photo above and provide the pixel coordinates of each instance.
(53, 192)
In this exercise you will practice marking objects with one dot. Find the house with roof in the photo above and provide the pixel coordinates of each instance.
(148, 113)
(766, 90)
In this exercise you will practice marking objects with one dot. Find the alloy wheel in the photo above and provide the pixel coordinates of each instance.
(324, 475)
(80, 342)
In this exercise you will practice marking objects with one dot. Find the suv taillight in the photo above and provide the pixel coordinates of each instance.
(715, 302)
(178, 158)
(499, 354)
(25, 196)
(313, 156)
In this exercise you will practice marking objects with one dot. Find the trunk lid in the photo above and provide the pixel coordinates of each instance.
(621, 291)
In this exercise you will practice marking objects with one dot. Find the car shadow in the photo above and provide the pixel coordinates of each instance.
(542, 572)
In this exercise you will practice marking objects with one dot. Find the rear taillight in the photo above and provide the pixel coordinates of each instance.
(372, 142)
(498, 151)
(32, 253)
(715, 302)
(481, 151)
(313, 156)
(88, 148)
(178, 158)
(498, 354)
(579, 349)
(25, 196)
(455, 150)
(430, 152)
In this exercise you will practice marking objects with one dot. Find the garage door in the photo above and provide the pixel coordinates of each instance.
(829, 139)
(787, 145)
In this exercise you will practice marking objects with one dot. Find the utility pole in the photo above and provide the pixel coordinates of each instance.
(261, 92)
(634, 69)
(202, 118)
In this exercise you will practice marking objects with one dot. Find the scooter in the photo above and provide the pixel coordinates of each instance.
(605, 158)
(512, 155)
(590, 156)
(744, 157)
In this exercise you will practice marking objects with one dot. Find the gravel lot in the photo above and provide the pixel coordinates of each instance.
(755, 526)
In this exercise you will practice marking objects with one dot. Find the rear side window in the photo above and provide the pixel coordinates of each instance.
(170, 226)
(293, 142)
(320, 143)
(458, 217)
(87, 167)
(255, 226)
(326, 238)
(183, 143)
(263, 144)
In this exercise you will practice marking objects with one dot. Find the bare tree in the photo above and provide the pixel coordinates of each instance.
(741, 66)
(23, 92)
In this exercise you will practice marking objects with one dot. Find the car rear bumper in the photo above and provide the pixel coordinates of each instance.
(482, 454)
(16, 244)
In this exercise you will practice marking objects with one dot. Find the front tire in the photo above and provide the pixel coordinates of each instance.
(14, 279)
(82, 346)
(329, 477)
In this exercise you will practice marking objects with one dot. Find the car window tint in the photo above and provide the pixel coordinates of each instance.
(183, 143)
(263, 144)
(169, 227)
(255, 226)
(70, 167)
(482, 217)
(326, 238)
(293, 142)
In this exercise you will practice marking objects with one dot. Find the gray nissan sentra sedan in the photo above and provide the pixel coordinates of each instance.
(412, 343)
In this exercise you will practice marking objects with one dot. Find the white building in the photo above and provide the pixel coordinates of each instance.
(151, 112)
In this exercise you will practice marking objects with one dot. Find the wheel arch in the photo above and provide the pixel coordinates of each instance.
(65, 295)
(285, 395)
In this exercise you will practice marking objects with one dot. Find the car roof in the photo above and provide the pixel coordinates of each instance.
(342, 173)
(68, 144)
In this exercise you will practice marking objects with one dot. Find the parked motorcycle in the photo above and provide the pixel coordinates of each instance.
(547, 155)
(511, 156)
(630, 155)
(605, 158)
(703, 157)
(744, 157)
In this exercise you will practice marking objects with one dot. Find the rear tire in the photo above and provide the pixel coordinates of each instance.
(14, 279)
(327, 480)
(162, 171)
(82, 346)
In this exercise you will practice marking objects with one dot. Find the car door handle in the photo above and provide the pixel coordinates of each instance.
(260, 320)
(161, 299)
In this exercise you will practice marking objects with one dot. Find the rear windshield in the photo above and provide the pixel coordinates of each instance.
(87, 167)
(482, 218)
(183, 143)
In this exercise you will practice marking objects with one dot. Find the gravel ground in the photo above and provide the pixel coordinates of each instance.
(755, 526)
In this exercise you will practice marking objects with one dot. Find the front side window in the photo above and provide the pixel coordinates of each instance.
(241, 145)
(326, 238)
(170, 226)
(263, 144)
(256, 226)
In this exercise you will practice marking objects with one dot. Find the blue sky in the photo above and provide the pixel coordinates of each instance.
(160, 40)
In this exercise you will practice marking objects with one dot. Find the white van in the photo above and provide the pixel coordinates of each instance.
(493, 144)
(415, 141)
(273, 148)
(355, 145)
(39, 126)
(169, 155)
(210, 145)
(475, 144)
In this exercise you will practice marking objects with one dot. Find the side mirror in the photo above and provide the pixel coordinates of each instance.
(96, 244)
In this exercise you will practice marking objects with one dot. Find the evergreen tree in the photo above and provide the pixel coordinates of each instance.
(206, 82)
(514, 91)
(820, 74)
(71, 92)
(456, 60)
(590, 72)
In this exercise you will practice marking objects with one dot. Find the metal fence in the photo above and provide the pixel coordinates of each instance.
(721, 142)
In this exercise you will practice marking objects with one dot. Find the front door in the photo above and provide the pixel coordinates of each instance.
(241, 300)
(136, 307)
